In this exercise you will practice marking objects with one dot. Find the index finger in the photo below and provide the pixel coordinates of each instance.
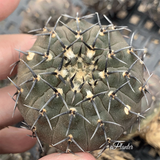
(7, 7)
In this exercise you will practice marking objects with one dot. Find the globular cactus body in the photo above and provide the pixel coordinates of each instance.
(80, 85)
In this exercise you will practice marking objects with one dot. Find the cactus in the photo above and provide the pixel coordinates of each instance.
(80, 86)
(148, 128)
(151, 113)
(38, 11)
(152, 8)
(109, 6)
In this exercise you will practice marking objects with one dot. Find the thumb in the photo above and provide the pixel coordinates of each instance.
(68, 156)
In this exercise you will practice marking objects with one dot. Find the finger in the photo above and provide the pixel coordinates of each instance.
(7, 7)
(15, 140)
(76, 156)
(6, 108)
(8, 54)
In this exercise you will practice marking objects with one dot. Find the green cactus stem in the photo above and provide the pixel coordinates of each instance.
(80, 86)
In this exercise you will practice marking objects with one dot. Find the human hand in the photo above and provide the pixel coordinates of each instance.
(13, 140)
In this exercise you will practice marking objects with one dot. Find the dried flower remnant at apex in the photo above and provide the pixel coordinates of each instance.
(78, 81)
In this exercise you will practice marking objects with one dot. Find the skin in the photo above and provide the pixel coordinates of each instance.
(12, 139)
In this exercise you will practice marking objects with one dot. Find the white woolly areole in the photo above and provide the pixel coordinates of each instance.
(90, 53)
(76, 87)
(89, 94)
(64, 73)
(60, 90)
(126, 110)
(69, 54)
(30, 56)
(101, 74)
(49, 57)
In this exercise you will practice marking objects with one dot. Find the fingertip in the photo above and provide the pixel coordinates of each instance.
(8, 54)
(7, 106)
(7, 7)
(69, 156)
(15, 140)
